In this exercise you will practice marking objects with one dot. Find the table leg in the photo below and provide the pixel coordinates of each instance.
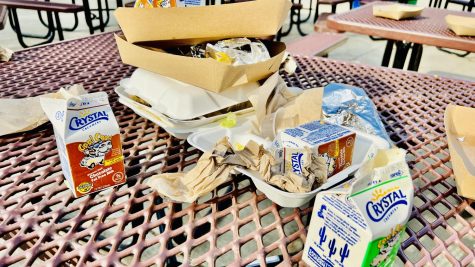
(292, 22)
(278, 36)
(101, 18)
(387, 53)
(87, 15)
(14, 22)
(59, 28)
(316, 13)
(401, 53)
(309, 12)
(415, 59)
(299, 21)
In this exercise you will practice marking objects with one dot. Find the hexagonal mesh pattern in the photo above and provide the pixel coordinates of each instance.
(42, 224)
(429, 28)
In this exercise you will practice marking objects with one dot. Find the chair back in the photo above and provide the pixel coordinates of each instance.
(3, 17)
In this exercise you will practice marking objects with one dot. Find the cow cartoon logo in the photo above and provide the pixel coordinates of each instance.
(95, 150)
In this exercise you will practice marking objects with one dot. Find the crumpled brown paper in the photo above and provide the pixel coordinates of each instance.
(15, 118)
(214, 168)
(5, 54)
(314, 169)
(278, 108)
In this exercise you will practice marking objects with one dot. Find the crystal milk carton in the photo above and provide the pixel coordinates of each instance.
(88, 141)
(361, 222)
(330, 141)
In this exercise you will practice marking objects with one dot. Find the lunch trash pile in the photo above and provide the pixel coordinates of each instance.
(219, 88)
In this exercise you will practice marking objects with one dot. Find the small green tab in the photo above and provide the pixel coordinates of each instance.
(229, 121)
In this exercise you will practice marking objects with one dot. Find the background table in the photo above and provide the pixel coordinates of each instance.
(40, 220)
(429, 29)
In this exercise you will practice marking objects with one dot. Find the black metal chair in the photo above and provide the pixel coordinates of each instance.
(332, 3)
(469, 4)
(101, 14)
(3, 17)
(51, 9)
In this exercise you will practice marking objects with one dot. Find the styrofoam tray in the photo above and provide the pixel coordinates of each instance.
(179, 130)
(183, 101)
(206, 139)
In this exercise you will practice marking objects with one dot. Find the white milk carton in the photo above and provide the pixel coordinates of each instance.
(361, 222)
(330, 141)
(88, 141)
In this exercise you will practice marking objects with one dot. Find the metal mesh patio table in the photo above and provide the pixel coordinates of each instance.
(42, 224)
(429, 28)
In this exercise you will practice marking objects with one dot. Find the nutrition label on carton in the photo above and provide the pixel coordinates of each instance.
(323, 133)
(348, 211)
(338, 222)
(362, 224)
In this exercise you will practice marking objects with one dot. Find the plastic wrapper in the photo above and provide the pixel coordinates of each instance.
(235, 51)
(238, 51)
(350, 106)
(154, 3)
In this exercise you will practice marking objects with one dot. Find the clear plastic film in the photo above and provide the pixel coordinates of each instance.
(238, 51)
(154, 3)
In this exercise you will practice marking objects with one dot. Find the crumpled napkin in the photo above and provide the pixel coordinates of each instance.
(214, 168)
(277, 107)
(15, 118)
(5, 54)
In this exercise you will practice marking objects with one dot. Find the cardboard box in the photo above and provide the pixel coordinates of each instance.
(461, 138)
(147, 30)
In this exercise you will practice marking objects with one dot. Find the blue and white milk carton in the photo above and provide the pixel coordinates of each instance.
(361, 222)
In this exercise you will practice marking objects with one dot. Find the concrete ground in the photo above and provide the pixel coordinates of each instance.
(358, 48)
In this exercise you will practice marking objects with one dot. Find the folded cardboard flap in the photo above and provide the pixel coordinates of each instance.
(461, 138)
(397, 11)
(206, 73)
(248, 19)
(461, 25)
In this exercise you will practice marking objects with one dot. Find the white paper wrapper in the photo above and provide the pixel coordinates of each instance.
(15, 118)
(5, 54)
